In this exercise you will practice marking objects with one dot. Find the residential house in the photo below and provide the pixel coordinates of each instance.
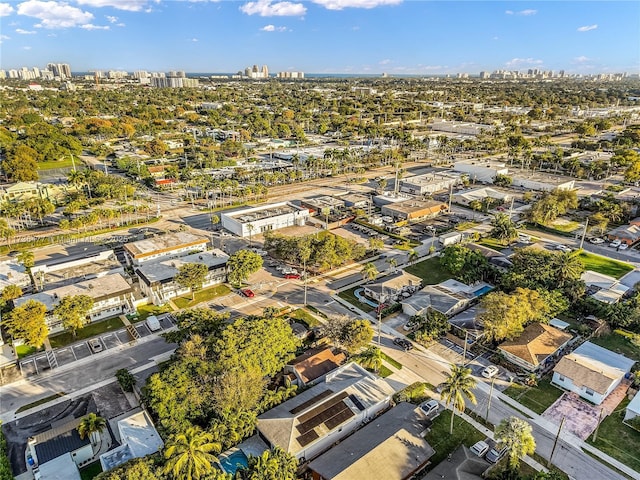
(591, 371)
(391, 285)
(60, 468)
(626, 233)
(603, 288)
(633, 408)
(157, 280)
(535, 347)
(463, 464)
(392, 447)
(163, 247)
(62, 440)
(112, 296)
(494, 257)
(449, 297)
(311, 367)
(21, 191)
(138, 438)
(311, 422)
(63, 271)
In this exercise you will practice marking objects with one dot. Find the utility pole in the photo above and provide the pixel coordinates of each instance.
(450, 197)
(555, 443)
(584, 233)
(511, 208)
(464, 355)
(304, 272)
(486, 417)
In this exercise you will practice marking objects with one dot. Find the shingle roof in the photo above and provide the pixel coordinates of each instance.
(315, 364)
(536, 343)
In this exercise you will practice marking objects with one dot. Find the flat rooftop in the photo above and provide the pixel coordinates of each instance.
(163, 243)
(261, 213)
(414, 205)
(541, 177)
(166, 270)
(13, 273)
(429, 178)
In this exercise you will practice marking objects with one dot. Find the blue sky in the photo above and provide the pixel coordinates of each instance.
(322, 36)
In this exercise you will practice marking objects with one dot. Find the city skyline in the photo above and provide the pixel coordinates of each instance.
(323, 36)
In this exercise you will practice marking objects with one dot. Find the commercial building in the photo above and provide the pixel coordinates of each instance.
(481, 171)
(479, 194)
(112, 295)
(157, 280)
(462, 128)
(257, 220)
(535, 347)
(414, 209)
(392, 447)
(591, 371)
(541, 182)
(13, 272)
(163, 247)
(311, 422)
(322, 205)
(429, 183)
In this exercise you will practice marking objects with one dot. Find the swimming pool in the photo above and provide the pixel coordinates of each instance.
(233, 462)
(482, 291)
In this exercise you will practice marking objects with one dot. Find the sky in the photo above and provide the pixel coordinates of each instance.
(322, 36)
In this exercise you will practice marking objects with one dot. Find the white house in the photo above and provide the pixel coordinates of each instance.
(163, 247)
(257, 220)
(591, 371)
(311, 422)
(602, 287)
(391, 285)
(633, 408)
(481, 171)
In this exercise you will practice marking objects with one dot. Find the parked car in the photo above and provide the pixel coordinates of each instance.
(523, 238)
(406, 345)
(248, 293)
(563, 248)
(490, 371)
(153, 323)
(494, 455)
(615, 244)
(597, 240)
(407, 327)
(480, 448)
(293, 276)
(623, 246)
(429, 407)
(96, 345)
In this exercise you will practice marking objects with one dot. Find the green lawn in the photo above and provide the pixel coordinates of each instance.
(42, 401)
(353, 300)
(304, 316)
(391, 361)
(65, 163)
(202, 296)
(24, 350)
(537, 398)
(145, 310)
(604, 265)
(91, 330)
(619, 344)
(90, 471)
(565, 226)
(430, 271)
(443, 443)
(617, 439)
(493, 243)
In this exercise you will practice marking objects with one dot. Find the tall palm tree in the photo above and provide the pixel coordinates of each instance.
(568, 266)
(92, 425)
(413, 257)
(516, 435)
(369, 271)
(370, 358)
(188, 454)
(457, 388)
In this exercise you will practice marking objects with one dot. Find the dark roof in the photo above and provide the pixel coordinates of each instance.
(462, 465)
(65, 442)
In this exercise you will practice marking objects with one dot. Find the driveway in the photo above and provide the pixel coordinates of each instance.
(580, 418)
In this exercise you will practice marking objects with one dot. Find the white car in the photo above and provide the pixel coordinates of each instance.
(429, 407)
(563, 248)
(490, 371)
(96, 345)
(524, 238)
(597, 241)
(623, 246)
(615, 244)
(480, 448)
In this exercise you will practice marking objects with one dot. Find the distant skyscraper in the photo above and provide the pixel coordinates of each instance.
(265, 71)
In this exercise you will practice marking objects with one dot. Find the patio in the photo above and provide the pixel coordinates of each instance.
(580, 418)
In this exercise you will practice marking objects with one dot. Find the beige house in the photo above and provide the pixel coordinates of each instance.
(537, 344)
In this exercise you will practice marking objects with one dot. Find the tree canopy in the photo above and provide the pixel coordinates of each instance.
(242, 264)
(192, 276)
(28, 322)
(73, 311)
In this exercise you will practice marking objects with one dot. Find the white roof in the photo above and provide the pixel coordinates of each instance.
(598, 358)
(634, 405)
(559, 324)
(139, 433)
(13, 273)
(60, 468)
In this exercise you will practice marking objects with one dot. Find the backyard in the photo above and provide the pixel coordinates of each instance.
(604, 265)
(618, 343)
(150, 309)
(201, 296)
(430, 271)
(537, 398)
(350, 297)
(617, 439)
(305, 317)
(443, 443)
(91, 330)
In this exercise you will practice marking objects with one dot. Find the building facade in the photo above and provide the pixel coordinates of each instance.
(257, 220)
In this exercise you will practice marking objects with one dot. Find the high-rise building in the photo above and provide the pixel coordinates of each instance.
(62, 70)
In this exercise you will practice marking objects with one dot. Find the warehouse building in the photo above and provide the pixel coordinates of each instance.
(257, 220)
(481, 171)
(541, 182)
(429, 183)
(414, 209)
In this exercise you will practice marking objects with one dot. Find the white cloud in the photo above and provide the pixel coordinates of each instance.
(581, 59)
(518, 62)
(54, 14)
(586, 28)
(26, 48)
(25, 32)
(342, 4)
(267, 8)
(386, 61)
(273, 28)
(128, 5)
(90, 26)
(5, 9)
(194, 39)
(524, 13)
(121, 24)
(4, 37)
(111, 18)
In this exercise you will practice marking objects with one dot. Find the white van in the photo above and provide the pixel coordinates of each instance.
(153, 323)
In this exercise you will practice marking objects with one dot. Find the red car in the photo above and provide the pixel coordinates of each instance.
(294, 276)
(248, 293)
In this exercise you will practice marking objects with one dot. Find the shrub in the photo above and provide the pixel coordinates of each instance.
(126, 380)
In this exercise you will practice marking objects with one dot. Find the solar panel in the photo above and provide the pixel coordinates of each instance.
(356, 401)
(321, 417)
(320, 408)
(333, 422)
(307, 438)
(303, 406)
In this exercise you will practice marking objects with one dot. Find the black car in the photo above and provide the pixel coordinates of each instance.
(402, 343)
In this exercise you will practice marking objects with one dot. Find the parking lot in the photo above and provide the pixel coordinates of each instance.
(71, 353)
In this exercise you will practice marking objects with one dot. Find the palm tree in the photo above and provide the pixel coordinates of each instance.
(457, 386)
(413, 257)
(188, 454)
(568, 266)
(369, 271)
(393, 263)
(251, 228)
(370, 358)
(516, 435)
(92, 425)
